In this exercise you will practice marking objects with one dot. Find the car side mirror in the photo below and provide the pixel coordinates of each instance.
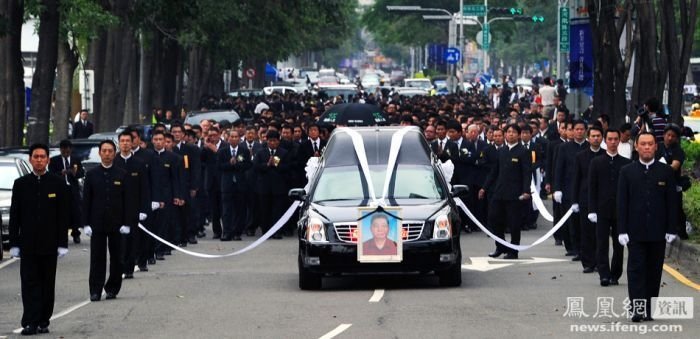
(298, 194)
(459, 191)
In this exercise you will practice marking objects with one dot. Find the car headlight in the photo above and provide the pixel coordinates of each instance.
(442, 228)
(315, 230)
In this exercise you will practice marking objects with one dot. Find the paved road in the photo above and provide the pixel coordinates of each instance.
(256, 296)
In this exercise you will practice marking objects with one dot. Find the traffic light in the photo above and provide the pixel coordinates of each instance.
(506, 10)
(534, 19)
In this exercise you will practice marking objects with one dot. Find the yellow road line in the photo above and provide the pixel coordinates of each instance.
(670, 270)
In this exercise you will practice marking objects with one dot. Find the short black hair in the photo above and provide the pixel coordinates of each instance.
(639, 136)
(125, 132)
(625, 127)
(453, 124)
(178, 125)
(673, 127)
(37, 146)
(652, 104)
(168, 136)
(156, 132)
(595, 128)
(273, 135)
(65, 143)
(515, 127)
(579, 122)
(526, 128)
(612, 130)
(109, 142)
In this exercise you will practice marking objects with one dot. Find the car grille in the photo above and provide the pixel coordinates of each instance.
(347, 231)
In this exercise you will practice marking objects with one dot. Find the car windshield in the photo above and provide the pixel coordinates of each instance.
(345, 183)
(418, 83)
(8, 174)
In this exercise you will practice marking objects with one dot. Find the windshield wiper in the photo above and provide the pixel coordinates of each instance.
(337, 199)
(416, 196)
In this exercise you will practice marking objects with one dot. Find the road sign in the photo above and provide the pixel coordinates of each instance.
(486, 37)
(250, 73)
(452, 55)
(564, 29)
(478, 10)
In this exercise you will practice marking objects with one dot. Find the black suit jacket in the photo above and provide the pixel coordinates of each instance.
(192, 167)
(165, 185)
(105, 196)
(82, 131)
(565, 169)
(448, 148)
(553, 131)
(212, 182)
(138, 184)
(582, 163)
(647, 202)
(603, 176)
(271, 179)
(551, 160)
(56, 167)
(39, 214)
(510, 176)
(476, 163)
(459, 154)
(306, 150)
(234, 177)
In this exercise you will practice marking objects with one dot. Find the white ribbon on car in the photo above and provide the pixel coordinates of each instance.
(359, 146)
(283, 220)
(505, 243)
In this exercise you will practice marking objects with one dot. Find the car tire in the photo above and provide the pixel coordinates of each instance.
(451, 277)
(309, 281)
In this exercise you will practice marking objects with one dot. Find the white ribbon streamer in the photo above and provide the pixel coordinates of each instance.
(256, 243)
(396, 141)
(505, 243)
(359, 145)
(539, 203)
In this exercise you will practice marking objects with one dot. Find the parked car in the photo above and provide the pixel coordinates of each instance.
(422, 83)
(328, 224)
(114, 136)
(195, 118)
(332, 91)
(145, 130)
(411, 91)
(397, 76)
(279, 89)
(11, 168)
(88, 151)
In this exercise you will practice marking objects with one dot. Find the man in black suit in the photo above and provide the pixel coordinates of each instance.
(442, 146)
(139, 200)
(603, 178)
(555, 127)
(176, 224)
(105, 197)
(252, 219)
(535, 151)
(313, 146)
(550, 161)
(582, 163)
(565, 170)
(272, 165)
(458, 153)
(476, 172)
(213, 177)
(234, 163)
(146, 244)
(510, 178)
(83, 128)
(187, 213)
(39, 219)
(165, 191)
(296, 174)
(71, 169)
(647, 215)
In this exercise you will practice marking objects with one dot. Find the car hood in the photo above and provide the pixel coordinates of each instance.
(412, 209)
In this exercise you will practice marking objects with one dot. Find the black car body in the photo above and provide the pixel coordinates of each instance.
(339, 188)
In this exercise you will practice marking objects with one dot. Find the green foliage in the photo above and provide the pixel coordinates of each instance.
(82, 20)
(692, 154)
(691, 205)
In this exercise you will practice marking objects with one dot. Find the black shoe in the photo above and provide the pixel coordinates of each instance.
(168, 253)
(42, 330)
(76, 240)
(614, 282)
(95, 297)
(201, 234)
(588, 270)
(524, 228)
(160, 256)
(288, 233)
(29, 330)
(467, 230)
(648, 318)
(143, 268)
(276, 236)
(604, 282)
(226, 237)
(495, 254)
(237, 238)
(192, 240)
(637, 318)
(250, 233)
(182, 244)
(152, 261)
(533, 226)
(558, 243)
(511, 255)
(128, 276)
(111, 296)
(216, 236)
(576, 258)
(570, 254)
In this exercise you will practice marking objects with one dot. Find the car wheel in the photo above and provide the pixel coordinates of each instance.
(451, 277)
(308, 280)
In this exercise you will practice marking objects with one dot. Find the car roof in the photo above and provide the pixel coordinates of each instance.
(377, 143)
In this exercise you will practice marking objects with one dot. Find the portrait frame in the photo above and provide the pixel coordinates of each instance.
(367, 250)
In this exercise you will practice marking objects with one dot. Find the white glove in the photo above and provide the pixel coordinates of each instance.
(575, 208)
(557, 196)
(679, 189)
(87, 230)
(124, 229)
(670, 238)
(623, 239)
(14, 252)
(593, 217)
(142, 216)
(155, 205)
(62, 251)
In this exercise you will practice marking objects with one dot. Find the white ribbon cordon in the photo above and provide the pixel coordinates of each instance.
(359, 146)
(396, 141)
(539, 203)
(448, 169)
(283, 220)
(505, 243)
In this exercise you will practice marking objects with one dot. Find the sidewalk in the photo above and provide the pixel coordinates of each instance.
(685, 256)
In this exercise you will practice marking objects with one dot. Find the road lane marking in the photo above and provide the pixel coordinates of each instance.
(485, 264)
(336, 331)
(65, 312)
(377, 296)
(680, 277)
(7, 263)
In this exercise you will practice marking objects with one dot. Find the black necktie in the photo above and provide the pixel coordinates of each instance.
(66, 165)
(315, 147)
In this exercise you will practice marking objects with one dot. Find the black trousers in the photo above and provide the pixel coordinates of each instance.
(271, 209)
(645, 262)
(215, 208)
(556, 213)
(587, 244)
(502, 214)
(38, 275)
(605, 229)
(75, 210)
(144, 244)
(129, 250)
(202, 204)
(162, 223)
(100, 242)
(571, 228)
(477, 206)
(233, 213)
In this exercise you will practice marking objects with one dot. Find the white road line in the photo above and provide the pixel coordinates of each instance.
(7, 263)
(377, 296)
(65, 312)
(336, 331)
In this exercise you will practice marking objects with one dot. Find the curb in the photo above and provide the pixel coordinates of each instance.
(686, 255)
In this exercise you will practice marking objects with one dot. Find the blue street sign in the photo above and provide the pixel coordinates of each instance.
(452, 55)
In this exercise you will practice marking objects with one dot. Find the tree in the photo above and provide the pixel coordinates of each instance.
(11, 73)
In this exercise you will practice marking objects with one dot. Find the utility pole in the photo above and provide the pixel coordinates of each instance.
(460, 43)
(486, 20)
